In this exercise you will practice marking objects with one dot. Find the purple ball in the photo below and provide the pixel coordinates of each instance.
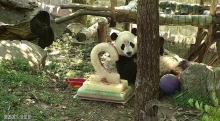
(169, 84)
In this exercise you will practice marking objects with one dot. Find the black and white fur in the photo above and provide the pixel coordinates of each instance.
(126, 45)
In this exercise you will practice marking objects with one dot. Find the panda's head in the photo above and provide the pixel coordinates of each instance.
(125, 43)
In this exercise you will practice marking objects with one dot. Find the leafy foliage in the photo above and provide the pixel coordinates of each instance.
(210, 113)
(200, 102)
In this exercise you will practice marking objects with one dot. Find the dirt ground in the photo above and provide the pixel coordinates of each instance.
(104, 111)
(83, 110)
(52, 100)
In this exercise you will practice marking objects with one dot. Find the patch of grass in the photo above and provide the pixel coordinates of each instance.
(18, 73)
(51, 98)
(17, 79)
(19, 64)
(182, 98)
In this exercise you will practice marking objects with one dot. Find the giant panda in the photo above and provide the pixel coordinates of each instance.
(126, 45)
(172, 64)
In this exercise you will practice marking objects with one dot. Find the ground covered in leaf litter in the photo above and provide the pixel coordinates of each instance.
(45, 95)
(74, 58)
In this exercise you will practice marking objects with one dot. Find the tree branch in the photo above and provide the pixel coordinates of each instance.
(131, 5)
(87, 7)
(130, 16)
(128, 13)
(121, 16)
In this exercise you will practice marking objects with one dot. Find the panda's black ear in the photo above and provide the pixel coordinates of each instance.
(114, 36)
(134, 31)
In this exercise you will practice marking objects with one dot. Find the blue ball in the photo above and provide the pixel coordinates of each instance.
(169, 84)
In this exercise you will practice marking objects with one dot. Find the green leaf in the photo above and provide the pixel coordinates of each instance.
(197, 104)
(190, 101)
(207, 108)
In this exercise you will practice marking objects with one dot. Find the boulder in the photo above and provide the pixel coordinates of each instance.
(198, 78)
(16, 49)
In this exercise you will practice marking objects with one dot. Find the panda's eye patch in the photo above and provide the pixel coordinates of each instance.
(123, 46)
(132, 44)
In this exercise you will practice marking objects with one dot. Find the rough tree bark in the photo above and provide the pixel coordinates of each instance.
(147, 81)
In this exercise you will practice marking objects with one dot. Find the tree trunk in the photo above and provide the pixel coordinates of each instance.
(127, 25)
(102, 31)
(147, 81)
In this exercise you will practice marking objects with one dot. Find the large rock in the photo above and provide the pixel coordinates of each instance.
(17, 49)
(198, 78)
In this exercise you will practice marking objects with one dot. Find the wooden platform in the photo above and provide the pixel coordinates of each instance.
(106, 100)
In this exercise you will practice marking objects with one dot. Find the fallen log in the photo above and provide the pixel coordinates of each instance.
(73, 28)
(31, 5)
(87, 7)
(19, 4)
(36, 28)
(106, 11)
(86, 33)
(132, 5)
(53, 9)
